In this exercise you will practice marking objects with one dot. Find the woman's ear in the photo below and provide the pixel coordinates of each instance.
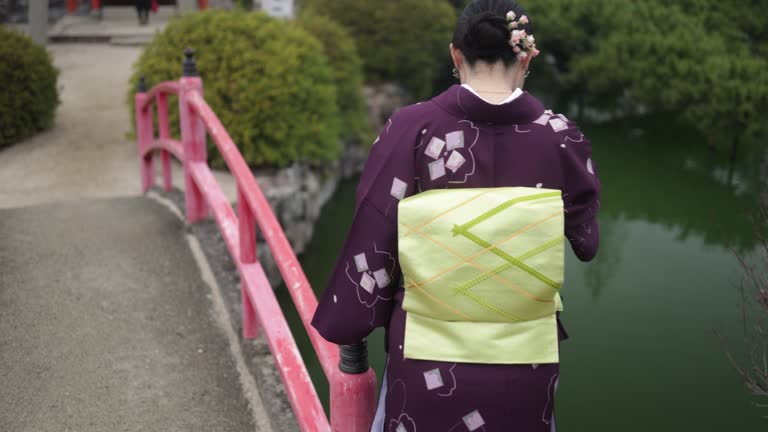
(457, 56)
(526, 63)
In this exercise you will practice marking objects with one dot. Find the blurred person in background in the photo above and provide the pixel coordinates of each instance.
(142, 9)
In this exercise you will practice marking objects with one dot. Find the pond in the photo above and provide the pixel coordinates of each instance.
(644, 354)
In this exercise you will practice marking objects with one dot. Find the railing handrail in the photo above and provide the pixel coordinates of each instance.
(165, 144)
(293, 275)
(163, 88)
(352, 396)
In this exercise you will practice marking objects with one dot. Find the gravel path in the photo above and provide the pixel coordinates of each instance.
(105, 324)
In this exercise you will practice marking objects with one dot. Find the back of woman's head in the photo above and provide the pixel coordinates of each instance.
(483, 32)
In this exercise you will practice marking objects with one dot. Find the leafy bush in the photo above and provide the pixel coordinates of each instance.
(28, 93)
(399, 40)
(348, 73)
(267, 80)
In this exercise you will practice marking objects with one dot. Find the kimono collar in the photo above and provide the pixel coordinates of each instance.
(516, 94)
(467, 105)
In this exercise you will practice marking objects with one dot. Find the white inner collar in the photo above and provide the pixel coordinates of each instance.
(516, 94)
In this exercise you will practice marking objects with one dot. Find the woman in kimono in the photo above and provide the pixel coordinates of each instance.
(485, 133)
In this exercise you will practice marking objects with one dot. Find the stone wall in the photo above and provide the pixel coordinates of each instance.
(383, 100)
(297, 195)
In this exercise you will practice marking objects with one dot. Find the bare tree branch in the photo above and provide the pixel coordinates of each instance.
(753, 292)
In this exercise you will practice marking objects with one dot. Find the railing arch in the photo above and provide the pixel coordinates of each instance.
(352, 382)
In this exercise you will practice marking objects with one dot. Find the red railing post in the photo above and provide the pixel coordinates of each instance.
(247, 227)
(144, 132)
(353, 391)
(165, 133)
(192, 138)
(353, 403)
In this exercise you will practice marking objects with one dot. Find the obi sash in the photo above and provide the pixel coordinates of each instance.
(482, 271)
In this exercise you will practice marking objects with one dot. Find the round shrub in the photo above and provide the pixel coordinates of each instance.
(267, 80)
(348, 73)
(28, 92)
(399, 40)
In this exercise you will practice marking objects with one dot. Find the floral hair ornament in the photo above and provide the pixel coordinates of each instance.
(522, 43)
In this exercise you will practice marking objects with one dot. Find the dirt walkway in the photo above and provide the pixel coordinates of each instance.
(105, 323)
(86, 154)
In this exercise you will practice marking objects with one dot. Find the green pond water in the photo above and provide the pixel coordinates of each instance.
(643, 317)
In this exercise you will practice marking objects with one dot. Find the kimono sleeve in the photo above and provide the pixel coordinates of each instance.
(581, 193)
(359, 295)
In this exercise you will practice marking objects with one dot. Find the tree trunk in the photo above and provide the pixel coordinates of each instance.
(734, 154)
(711, 144)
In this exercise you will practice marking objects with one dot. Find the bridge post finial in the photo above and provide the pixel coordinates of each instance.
(190, 67)
(353, 359)
(142, 87)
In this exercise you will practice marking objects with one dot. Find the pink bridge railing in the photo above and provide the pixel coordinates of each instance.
(352, 394)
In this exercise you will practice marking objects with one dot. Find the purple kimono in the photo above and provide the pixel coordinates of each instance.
(514, 144)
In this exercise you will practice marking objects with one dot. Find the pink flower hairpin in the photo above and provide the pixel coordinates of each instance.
(522, 43)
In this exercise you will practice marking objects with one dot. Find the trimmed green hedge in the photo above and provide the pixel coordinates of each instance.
(348, 74)
(267, 80)
(399, 40)
(28, 92)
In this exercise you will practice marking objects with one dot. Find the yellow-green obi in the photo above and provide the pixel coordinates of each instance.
(482, 270)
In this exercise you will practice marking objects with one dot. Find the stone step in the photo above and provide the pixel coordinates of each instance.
(137, 40)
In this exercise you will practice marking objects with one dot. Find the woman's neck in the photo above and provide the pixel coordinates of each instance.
(494, 83)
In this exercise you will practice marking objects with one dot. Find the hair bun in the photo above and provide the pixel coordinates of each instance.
(488, 34)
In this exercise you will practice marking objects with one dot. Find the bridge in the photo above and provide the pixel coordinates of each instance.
(109, 319)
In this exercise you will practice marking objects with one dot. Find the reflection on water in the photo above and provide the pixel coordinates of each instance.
(612, 237)
(642, 316)
(672, 181)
